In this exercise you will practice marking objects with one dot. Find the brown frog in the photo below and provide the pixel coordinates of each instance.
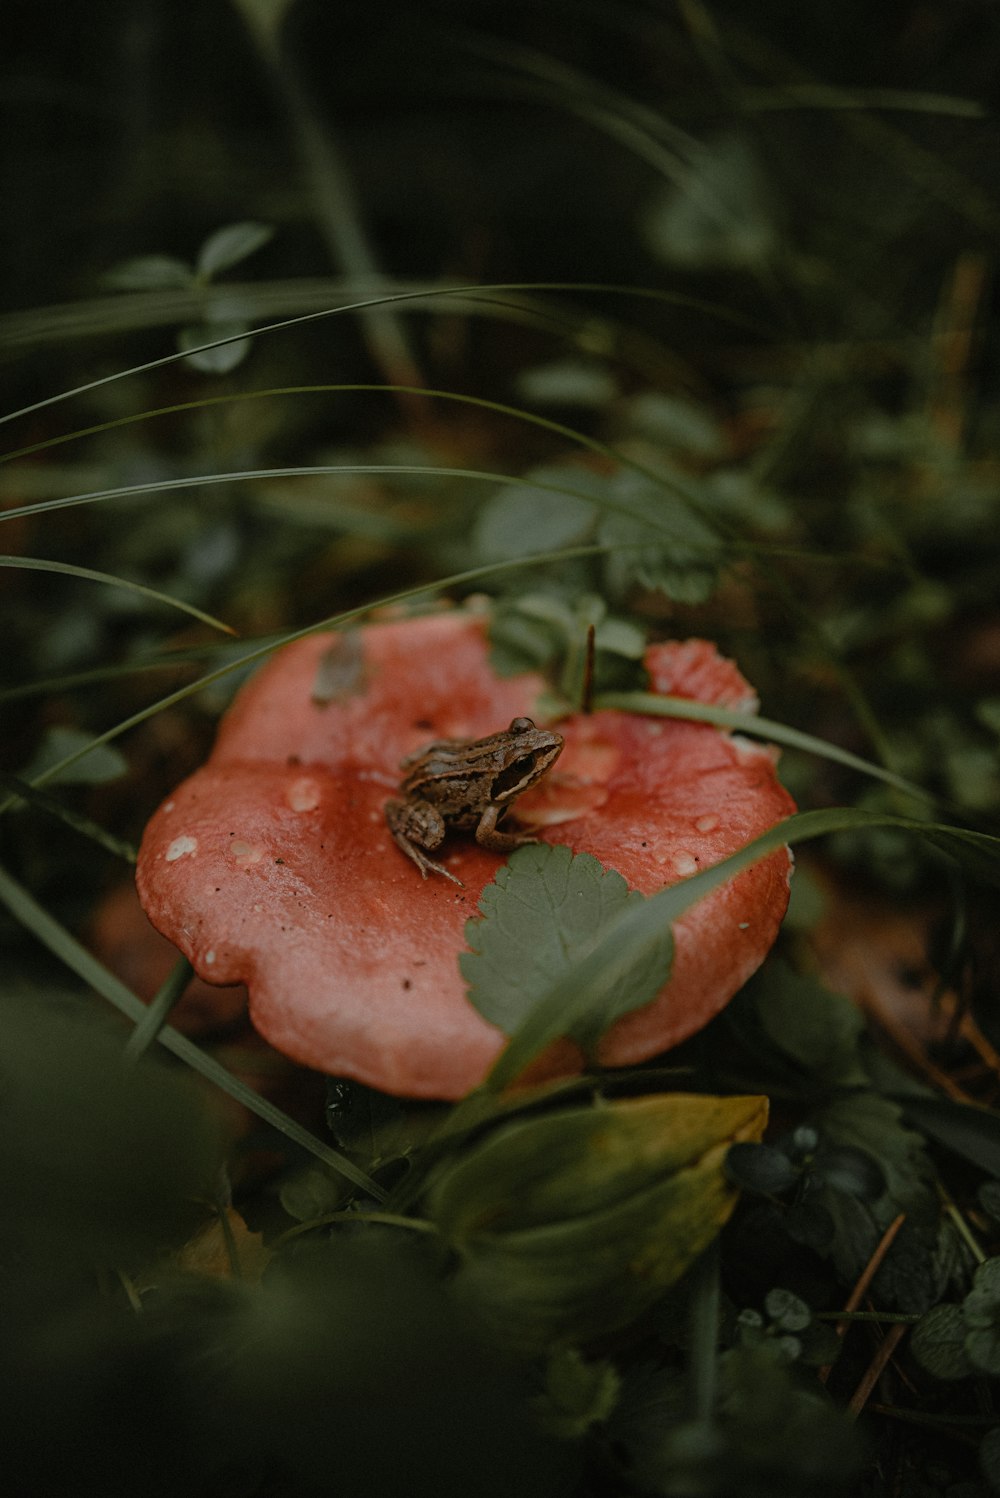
(465, 783)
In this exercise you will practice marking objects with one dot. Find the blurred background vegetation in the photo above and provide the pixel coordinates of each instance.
(746, 248)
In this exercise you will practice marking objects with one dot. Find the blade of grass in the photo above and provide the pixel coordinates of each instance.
(638, 930)
(66, 569)
(670, 484)
(158, 1010)
(641, 292)
(756, 727)
(41, 801)
(333, 621)
(68, 950)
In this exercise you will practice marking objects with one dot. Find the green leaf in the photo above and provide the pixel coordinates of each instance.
(788, 1311)
(969, 1131)
(663, 544)
(874, 1125)
(96, 767)
(638, 930)
(981, 1314)
(813, 1027)
(572, 1224)
(527, 517)
(229, 245)
(761, 1168)
(674, 423)
(578, 1393)
(938, 1343)
(717, 214)
(547, 910)
(149, 273)
(218, 360)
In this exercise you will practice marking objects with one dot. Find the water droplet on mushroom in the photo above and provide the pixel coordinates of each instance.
(179, 847)
(303, 794)
(209, 957)
(685, 863)
(245, 854)
(707, 823)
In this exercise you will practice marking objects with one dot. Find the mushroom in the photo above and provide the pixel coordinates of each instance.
(273, 864)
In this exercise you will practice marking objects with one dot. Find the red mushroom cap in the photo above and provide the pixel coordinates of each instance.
(273, 864)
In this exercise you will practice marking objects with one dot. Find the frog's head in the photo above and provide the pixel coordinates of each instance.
(530, 753)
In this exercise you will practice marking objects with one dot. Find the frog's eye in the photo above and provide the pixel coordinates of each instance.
(521, 725)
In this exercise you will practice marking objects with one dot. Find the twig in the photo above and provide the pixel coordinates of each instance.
(863, 1282)
(875, 1369)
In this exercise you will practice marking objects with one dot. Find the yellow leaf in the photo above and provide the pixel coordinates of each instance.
(570, 1224)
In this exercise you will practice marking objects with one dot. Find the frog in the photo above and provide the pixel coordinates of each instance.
(465, 784)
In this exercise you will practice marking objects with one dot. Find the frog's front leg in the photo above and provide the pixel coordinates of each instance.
(488, 835)
(417, 825)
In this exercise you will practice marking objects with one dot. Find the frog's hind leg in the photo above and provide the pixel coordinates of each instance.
(416, 826)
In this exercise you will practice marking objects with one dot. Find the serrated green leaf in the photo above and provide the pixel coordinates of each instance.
(660, 542)
(874, 1125)
(547, 909)
(638, 929)
(229, 245)
(938, 1343)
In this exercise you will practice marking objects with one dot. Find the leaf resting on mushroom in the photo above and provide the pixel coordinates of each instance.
(546, 911)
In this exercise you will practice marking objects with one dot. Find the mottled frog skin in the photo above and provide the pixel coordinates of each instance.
(465, 784)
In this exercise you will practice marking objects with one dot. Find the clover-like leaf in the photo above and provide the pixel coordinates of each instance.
(229, 245)
(981, 1315)
(938, 1342)
(761, 1168)
(788, 1311)
(546, 910)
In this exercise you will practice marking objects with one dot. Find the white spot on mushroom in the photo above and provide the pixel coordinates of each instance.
(179, 847)
(744, 925)
(168, 805)
(209, 957)
(245, 854)
(303, 794)
(685, 863)
(707, 823)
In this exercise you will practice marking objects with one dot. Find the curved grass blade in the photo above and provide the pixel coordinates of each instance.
(638, 931)
(21, 790)
(67, 569)
(669, 483)
(68, 950)
(643, 292)
(333, 621)
(158, 1009)
(756, 727)
(165, 486)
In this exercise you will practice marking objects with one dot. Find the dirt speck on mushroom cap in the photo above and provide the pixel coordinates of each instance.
(290, 882)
